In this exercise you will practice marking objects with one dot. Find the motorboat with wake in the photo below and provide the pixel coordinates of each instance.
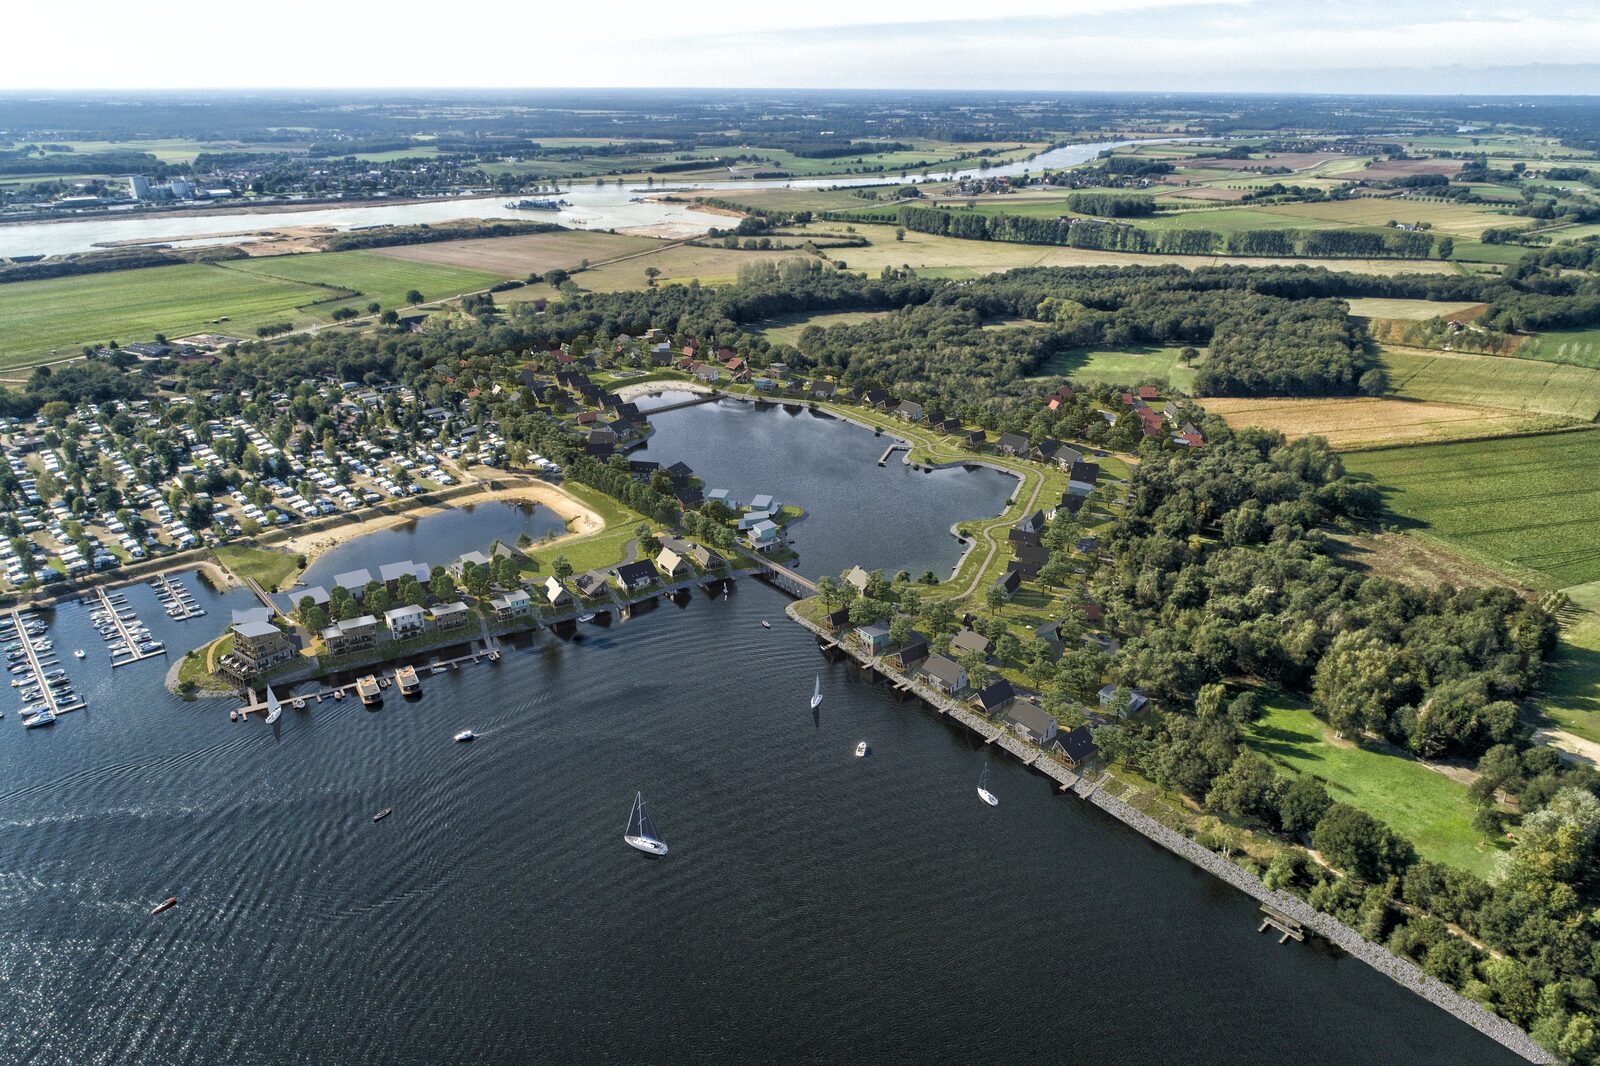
(641, 832)
(465, 735)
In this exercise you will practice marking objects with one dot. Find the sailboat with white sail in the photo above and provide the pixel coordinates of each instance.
(641, 832)
(983, 788)
(274, 708)
(816, 693)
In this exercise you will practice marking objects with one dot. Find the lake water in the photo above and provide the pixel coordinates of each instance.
(888, 517)
(815, 907)
(609, 206)
(438, 539)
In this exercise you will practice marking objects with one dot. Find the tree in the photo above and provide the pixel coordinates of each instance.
(994, 599)
(1302, 805)
(441, 584)
(651, 273)
(828, 591)
(1247, 789)
(561, 568)
(413, 296)
(1360, 844)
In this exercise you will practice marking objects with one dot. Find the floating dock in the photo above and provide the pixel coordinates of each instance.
(38, 663)
(121, 616)
(179, 603)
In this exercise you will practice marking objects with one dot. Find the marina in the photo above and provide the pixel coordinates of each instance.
(127, 639)
(176, 598)
(38, 676)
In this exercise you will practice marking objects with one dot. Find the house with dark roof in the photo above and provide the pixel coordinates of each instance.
(1033, 523)
(822, 390)
(967, 641)
(1074, 747)
(996, 697)
(1009, 583)
(1136, 700)
(1082, 478)
(975, 440)
(944, 424)
(1022, 535)
(1029, 560)
(912, 653)
(875, 398)
(837, 620)
(706, 559)
(636, 575)
(1045, 450)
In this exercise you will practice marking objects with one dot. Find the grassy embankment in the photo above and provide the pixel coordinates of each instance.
(271, 567)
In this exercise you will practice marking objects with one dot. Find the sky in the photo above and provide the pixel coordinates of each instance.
(1411, 46)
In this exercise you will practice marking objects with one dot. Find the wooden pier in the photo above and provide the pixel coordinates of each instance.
(790, 581)
(709, 397)
(387, 680)
(38, 663)
(114, 608)
(1274, 919)
(890, 450)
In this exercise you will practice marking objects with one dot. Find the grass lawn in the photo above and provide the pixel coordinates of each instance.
(1479, 252)
(374, 277)
(1508, 382)
(1526, 506)
(1122, 366)
(1579, 347)
(266, 565)
(786, 329)
(1572, 677)
(1427, 808)
(603, 548)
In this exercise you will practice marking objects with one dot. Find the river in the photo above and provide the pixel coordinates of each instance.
(611, 206)
(815, 907)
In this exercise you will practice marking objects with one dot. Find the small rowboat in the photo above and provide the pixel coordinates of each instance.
(165, 905)
(381, 815)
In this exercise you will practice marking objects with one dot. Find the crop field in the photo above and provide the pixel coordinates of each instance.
(1572, 677)
(799, 199)
(374, 277)
(1122, 366)
(1579, 347)
(1360, 422)
(62, 314)
(786, 329)
(1427, 808)
(1527, 506)
(1478, 252)
(1448, 219)
(1411, 310)
(1493, 381)
(514, 257)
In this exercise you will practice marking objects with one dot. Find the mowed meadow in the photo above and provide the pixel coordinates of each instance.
(58, 316)
(1526, 506)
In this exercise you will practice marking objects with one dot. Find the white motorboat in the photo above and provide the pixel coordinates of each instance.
(641, 832)
(77, 653)
(466, 735)
(861, 750)
(816, 693)
(45, 717)
(274, 708)
(983, 788)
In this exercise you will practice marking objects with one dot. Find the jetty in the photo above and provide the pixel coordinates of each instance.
(178, 601)
(898, 446)
(706, 397)
(791, 581)
(59, 702)
(1288, 914)
(489, 652)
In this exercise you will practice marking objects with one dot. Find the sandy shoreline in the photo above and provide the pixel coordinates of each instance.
(579, 518)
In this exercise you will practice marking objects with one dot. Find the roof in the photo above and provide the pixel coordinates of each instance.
(353, 580)
(515, 598)
(944, 669)
(253, 630)
(453, 607)
(967, 640)
(1029, 716)
(396, 614)
(252, 614)
(997, 695)
(632, 573)
(395, 571)
(1077, 744)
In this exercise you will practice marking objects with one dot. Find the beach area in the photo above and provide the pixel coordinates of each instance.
(580, 520)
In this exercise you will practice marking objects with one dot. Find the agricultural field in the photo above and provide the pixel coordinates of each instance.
(533, 253)
(1572, 677)
(1526, 506)
(786, 329)
(1124, 366)
(1478, 252)
(1502, 381)
(1361, 422)
(1579, 347)
(1411, 310)
(60, 315)
(1428, 808)
(373, 277)
(798, 199)
(1447, 219)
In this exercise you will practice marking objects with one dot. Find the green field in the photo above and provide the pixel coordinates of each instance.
(1122, 366)
(1425, 807)
(60, 315)
(1493, 381)
(1580, 347)
(1572, 677)
(375, 277)
(1526, 506)
(786, 329)
(269, 566)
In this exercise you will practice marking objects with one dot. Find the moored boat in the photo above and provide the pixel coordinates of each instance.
(274, 708)
(367, 688)
(406, 679)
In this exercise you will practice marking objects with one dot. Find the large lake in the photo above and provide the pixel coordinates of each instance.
(815, 907)
(610, 206)
(888, 517)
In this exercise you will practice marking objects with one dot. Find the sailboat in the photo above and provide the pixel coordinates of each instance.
(641, 832)
(274, 709)
(983, 788)
(816, 693)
